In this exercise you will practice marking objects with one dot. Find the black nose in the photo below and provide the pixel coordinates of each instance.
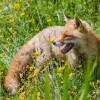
(58, 43)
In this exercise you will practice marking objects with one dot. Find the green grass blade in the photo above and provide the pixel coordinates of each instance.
(47, 87)
(88, 75)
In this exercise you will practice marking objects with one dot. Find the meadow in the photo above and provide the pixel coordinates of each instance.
(20, 20)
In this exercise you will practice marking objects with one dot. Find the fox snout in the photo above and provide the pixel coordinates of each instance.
(65, 40)
(58, 43)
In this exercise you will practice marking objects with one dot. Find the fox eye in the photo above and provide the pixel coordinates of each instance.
(68, 35)
(64, 35)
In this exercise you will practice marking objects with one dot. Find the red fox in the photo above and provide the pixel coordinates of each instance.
(39, 43)
(75, 39)
(80, 43)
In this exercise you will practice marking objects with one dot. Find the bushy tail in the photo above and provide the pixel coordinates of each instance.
(20, 61)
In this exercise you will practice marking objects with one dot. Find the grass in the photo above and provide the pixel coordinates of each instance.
(20, 20)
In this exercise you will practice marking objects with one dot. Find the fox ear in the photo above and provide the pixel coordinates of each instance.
(78, 22)
(66, 18)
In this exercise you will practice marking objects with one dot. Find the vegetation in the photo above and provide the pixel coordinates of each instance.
(20, 20)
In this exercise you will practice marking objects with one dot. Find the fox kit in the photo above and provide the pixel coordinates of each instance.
(39, 43)
(80, 41)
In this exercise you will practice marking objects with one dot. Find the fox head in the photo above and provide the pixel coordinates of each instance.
(75, 35)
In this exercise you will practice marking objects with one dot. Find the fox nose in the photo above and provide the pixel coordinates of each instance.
(58, 43)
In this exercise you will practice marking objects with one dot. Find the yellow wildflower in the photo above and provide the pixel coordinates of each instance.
(11, 29)
(31, 68)
(1, 73)
(51, 40)
(13, 33)
(49, 20)
(62, 82)
(1, 10)
(21, 75)
(38, 96)
(79, 66)
(30, 76)
(11, 20)
(71, 75)
(60, 69)
(98, 81)
(37, 29)
(63, 60)
(16, 6)
(73, 93)
(21, 89)
(37, 53)
(36, 71)
(0, 30)
(22, 96)
(10, 16)
(33, 57)
(22, 14)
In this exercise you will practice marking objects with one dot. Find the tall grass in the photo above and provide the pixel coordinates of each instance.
(88, 76)
(65, 83)
(47, 87)
(20, 20)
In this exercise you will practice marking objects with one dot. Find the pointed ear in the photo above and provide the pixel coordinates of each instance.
(66, 18)
(78, 22)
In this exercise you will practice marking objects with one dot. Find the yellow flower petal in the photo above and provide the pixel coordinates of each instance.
(22, 14)
(60, 69)
(16, 6)
(11, 29)
(37, 29)
(71, 75)
(1, 10)
(98, 81)
(38, 98)
(49, 20)
(11, 20)
(31, 68)
(51, 40)
(36, 72)
(22, 96)
(38, 94)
